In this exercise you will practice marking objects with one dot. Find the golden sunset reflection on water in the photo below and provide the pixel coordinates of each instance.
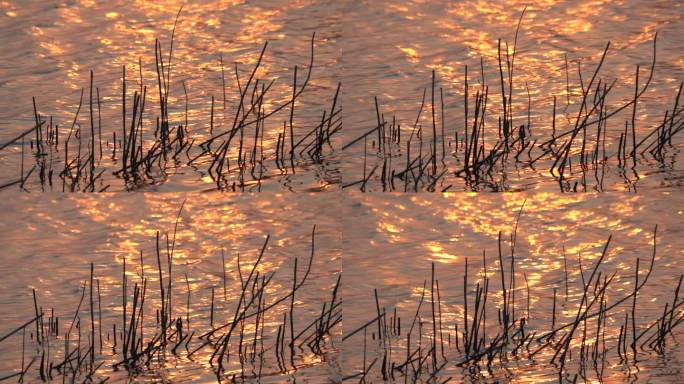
(552, 55)
(556, 234)
(64, 234)
(503, 231)
(208, 50)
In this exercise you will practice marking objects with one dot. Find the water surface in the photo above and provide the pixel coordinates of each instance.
(390, 244)
(390, 49)
(49, 49)
(60, 236)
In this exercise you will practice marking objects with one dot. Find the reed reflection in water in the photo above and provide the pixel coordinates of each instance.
(510, 96)
(189, 312)
(424, 298)
(170, 96)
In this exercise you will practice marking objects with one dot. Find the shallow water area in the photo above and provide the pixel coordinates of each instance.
(391, 48)
(392, 249)
(550, 134)
(208, 51)
(61, 235)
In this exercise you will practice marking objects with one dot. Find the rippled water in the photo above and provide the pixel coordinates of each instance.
(60, 236)
(379, 242)
(391, 243)
(386, 243)
(377, 49)
(49, 49)
(391, 47)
